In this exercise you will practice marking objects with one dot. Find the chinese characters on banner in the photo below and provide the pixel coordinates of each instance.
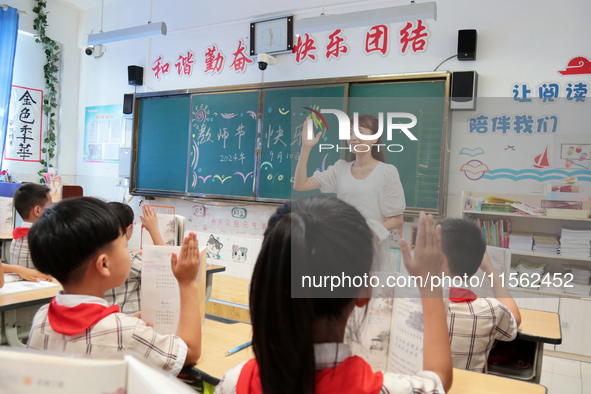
(104, 133)
(413, 37)
(23, 138)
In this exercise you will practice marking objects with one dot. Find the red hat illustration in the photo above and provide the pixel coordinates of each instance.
(577, 65)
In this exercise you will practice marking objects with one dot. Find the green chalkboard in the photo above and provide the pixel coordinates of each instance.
(284, 112)
(223, 138)
(163, 122)
(419, 162)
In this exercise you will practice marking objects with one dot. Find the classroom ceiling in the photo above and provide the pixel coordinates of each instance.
(85, 4)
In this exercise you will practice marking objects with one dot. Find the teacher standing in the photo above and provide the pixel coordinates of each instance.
(367, 182)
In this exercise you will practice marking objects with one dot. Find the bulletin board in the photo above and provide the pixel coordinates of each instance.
(104, 133)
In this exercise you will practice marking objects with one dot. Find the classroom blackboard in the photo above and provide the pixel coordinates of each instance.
(284, 113)
(245, 143)
(162, 142)
(419, 162)
(223, 137)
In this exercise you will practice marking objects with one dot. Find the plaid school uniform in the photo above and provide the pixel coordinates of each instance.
(474, 325)
(127, 296)
(112, 334)
(19, 247)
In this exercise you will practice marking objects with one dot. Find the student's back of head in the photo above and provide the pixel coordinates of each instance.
(463, 245)
(312, 236)
(29, 196)
(123, 212)
(64, 239)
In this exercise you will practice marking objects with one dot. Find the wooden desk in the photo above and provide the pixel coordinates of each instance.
(537, 327)
(9, 303)
(466, 382)
(229, 298)
(217, 339)
(220, 337)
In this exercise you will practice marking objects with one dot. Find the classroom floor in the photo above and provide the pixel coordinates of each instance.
(561, 376)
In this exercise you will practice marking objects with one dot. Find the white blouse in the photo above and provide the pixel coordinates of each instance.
(379, 196)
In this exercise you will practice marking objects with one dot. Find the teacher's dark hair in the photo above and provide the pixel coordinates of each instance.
(372, 123)
(308, 236)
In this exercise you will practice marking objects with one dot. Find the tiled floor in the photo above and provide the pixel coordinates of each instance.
(562, 376)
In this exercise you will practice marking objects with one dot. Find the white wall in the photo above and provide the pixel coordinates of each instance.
(525, 41)
(63, 28)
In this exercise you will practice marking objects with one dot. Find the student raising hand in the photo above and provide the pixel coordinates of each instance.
(427, 263)
(185, 268)
(150, 222)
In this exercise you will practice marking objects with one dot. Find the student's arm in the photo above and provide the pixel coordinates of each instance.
(394, 222)
(150, 222)
(1, 275)
(427, 262)
(301, 180)
(501, 293)
(185, 268)
(28, 274)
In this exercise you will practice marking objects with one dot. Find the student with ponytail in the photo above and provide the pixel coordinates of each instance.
(298, 330)
(367, 182)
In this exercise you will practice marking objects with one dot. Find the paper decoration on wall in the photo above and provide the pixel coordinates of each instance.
(577, 155)
(474, 169)
(472, 152)
(512, 147)
(104, 133)
(23, 138)
(536, 175)
(541, 160)
(577, 65)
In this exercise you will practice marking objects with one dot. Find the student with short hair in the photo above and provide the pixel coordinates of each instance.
(127, 296)
(298, 342)
(80, 242)
(29, 200)
(474, 323)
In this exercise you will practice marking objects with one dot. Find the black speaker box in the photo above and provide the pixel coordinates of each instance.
(135, 75)
(127, 104)
(463, 90)
(467, 44)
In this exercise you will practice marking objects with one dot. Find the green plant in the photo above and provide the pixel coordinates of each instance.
(50, 72)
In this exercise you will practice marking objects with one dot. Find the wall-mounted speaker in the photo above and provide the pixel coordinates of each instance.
(128, 104)
(135, 75)
(467, 44)
(463, 90)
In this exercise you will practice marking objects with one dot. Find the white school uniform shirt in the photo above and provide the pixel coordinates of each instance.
(115, 334)
(379, 196)
(329, 355)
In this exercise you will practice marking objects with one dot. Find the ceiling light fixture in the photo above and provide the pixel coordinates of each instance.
(150, 29)
(404, 13)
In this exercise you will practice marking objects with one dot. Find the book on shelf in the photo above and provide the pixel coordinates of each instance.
(527, 208)
(496, 232)
(562, 204)
(545, 243)
(567, 213)
(521, 241)
(25, 371)
(389, 335)
(562, 196)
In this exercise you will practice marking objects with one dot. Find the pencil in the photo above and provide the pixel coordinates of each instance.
(238, 348)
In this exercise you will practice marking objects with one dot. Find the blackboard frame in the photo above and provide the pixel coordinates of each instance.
(444, 76)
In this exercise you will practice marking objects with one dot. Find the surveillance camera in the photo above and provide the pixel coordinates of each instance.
(264, 60)
(96, 50)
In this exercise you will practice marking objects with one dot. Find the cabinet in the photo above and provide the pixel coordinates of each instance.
(575, 311)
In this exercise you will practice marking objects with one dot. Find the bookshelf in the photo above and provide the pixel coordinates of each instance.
(572, 308)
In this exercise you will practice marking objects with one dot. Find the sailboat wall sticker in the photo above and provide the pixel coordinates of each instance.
(541, 160)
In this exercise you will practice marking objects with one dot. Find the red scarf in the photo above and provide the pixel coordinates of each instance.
(73, 320)
(20, 232)
(461, 295)
(353, 375)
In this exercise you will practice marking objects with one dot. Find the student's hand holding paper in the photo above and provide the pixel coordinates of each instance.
(185, 268)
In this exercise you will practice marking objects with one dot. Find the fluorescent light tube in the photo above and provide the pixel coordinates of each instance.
(404, 13)
(151, 29)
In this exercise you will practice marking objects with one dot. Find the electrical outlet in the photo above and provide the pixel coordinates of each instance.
(537, 188)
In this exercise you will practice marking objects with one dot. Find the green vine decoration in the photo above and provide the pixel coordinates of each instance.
(50, 72)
